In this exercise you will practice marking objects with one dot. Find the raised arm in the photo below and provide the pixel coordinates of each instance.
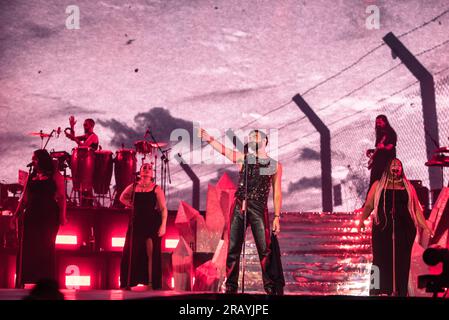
(277, 199)
(161, 203)
(127, 196)
(235, 156)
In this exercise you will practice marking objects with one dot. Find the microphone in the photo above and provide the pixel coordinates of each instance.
(29, 165)
(148, 131)
(58, 131)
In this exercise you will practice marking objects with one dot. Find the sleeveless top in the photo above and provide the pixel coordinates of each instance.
(41, 200)
(147, 219)
(260, 176)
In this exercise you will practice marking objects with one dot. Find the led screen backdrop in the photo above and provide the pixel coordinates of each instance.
(168, 65)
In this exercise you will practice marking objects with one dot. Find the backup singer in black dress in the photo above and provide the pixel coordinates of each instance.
(147, 228)
(45, 209)
(393, 190)
(262, 173)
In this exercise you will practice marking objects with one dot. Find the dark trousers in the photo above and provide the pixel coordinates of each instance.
(257, 218)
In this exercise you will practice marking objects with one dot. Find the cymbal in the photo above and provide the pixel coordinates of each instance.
(442, 150)
(39, 134)
(434, 163)
(159, 144)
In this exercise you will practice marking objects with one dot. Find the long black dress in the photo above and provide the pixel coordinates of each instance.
(147, 220)
(405, 232)
(40, 226)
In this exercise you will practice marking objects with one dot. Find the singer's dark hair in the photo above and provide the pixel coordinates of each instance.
(388, 129)
(261, 133)
(44, 162)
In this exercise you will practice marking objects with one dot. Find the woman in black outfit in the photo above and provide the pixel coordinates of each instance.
(393, 190)
(147, 228)
(45, 209)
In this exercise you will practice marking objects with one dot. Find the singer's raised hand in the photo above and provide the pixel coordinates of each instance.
(72, 121)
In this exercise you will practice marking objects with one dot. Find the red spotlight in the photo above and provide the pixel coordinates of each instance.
(77, 281)
(66, 239)
(118, 242)
(171, 243)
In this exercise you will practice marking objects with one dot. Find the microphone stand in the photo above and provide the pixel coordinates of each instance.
(393, 214)
(48, 139)
(20, 228)
(164, 159)
(131, 234)
(244, 211)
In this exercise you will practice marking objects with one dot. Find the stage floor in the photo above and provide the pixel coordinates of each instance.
(143, 294)
(135, 294)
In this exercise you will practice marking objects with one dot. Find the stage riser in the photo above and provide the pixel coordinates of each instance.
(321, 253)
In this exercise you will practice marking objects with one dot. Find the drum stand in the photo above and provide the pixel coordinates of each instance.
(165, 169)
(100, 198)
(78, 194)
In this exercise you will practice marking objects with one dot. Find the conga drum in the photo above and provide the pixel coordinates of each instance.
(125, 164)
(103, 171)
(82, 166)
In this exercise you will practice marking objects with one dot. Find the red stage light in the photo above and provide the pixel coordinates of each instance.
(171, 243)
(118, 242)
(66, 239)
(77, 281)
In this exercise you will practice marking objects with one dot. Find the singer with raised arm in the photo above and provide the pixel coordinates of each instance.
(397, 214)
(88, 139)
(261, 173)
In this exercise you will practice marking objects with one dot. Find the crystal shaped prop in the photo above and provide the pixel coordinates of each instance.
(182, 261)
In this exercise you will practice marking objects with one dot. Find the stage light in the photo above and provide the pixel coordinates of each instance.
(77, 281)
(171, 243)
(172, 282)
(66, 239)
(29, 286)
(118, 242)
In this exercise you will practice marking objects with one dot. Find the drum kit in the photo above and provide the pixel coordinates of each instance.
(93, 170)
